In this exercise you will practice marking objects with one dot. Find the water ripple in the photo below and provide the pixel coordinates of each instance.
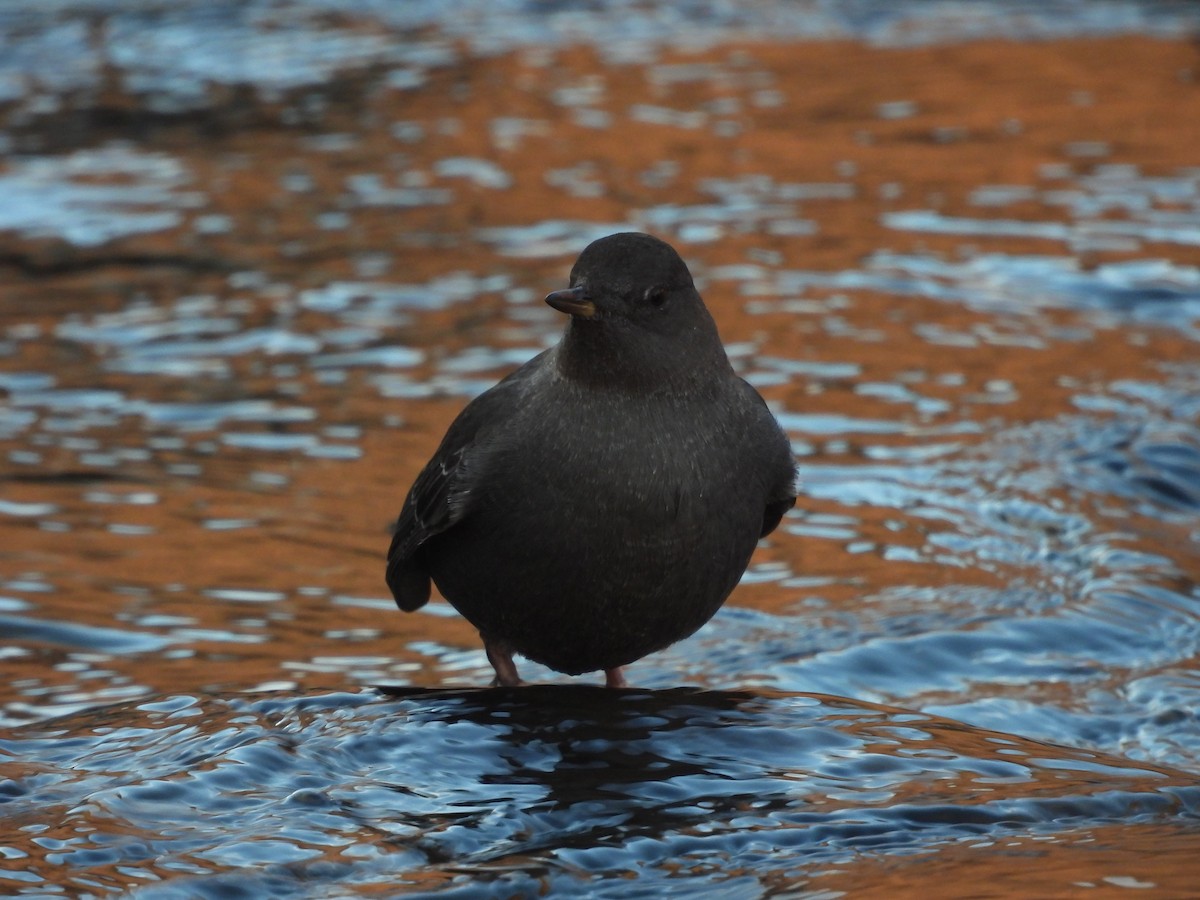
(553, 786)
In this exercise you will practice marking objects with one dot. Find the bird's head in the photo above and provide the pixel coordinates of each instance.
(636, 315)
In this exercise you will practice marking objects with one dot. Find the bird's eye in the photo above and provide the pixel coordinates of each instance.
(656, 296)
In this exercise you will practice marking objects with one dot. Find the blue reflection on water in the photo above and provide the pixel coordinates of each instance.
(557, 785)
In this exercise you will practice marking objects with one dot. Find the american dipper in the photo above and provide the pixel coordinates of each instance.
(603, 500)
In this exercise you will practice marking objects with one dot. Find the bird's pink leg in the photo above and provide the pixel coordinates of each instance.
(615, 678)
(500, 655)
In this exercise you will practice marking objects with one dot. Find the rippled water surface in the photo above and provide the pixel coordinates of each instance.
(256, 257)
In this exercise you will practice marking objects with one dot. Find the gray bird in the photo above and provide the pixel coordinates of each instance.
(602, 501)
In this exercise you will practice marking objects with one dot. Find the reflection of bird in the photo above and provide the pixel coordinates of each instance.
(602, 501)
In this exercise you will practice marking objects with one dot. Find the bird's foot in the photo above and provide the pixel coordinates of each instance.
(500, 655)
(615, 678)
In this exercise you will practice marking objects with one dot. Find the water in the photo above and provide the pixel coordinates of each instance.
(254, 271)
(565, 789)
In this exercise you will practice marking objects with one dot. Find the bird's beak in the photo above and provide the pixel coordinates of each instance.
(573, 301)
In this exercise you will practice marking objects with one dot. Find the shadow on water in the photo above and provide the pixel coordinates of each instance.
(515, 792)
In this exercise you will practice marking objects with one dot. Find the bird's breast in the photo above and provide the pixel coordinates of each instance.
(636, 465)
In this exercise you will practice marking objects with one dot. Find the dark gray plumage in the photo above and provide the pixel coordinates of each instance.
(602, 501)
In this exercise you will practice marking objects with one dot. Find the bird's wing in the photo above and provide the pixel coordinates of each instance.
(446, 490)
(774, 513)
(778, 455)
